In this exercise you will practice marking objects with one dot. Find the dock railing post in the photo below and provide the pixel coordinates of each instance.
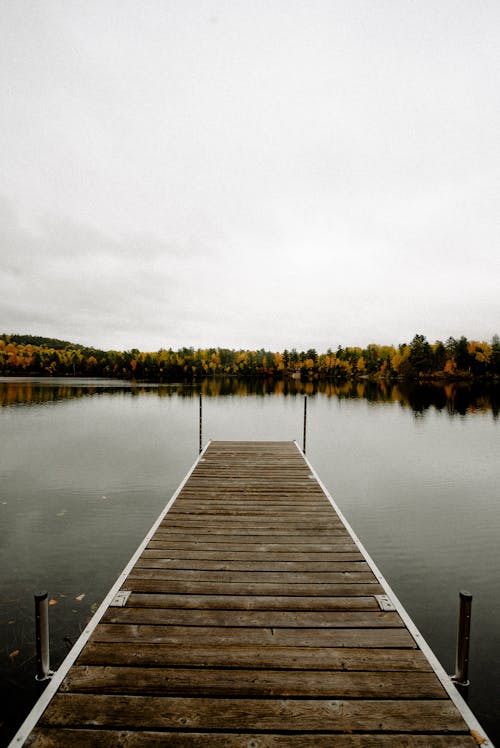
(43, 671)
(461, 677)
(305, 425)
(201, 425)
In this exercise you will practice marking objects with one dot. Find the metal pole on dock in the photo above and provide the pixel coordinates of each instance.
(43, 671)
(461, 677)
(305, 425)
(201, 424)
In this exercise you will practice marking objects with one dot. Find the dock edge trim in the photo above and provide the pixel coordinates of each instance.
(50, 691)
(464, 709)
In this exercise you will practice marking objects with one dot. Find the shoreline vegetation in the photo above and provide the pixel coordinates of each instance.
(419, 360)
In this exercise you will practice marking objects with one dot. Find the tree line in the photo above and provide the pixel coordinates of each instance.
(457, 358)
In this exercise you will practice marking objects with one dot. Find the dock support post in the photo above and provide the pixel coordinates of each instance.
(43, 671)
(461, 677)
(201, 425)
(305, 425)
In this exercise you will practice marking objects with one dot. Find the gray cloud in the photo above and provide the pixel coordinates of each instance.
(292, 174)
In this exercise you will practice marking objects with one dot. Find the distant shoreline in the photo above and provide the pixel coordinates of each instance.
(455, 360)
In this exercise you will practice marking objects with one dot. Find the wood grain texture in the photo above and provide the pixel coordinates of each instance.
(227, 636)
(246, 682)
(247, 656)
(254, 577)
(305, 567)
(251, 602)
(164, 712)
(255, 619)
(200, 587)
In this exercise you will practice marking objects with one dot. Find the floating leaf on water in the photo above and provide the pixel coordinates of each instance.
(52, 602)
(80, 597)
(61, 513)
(14, 653)
(94, 607)
(104, 497)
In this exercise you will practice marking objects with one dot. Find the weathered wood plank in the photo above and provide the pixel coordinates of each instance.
(251, 602)
(226, 636)
(238, 500)
(252, 683)
(255, 577)
(235, 531)
(250, 536)
(253, 618)
(309, 548)
(164, 712)
(260, 511)
(271, 657)
(271, 483)
(166, 562)
(252, 496)
(160, 550)
(242, 520)
(259, 588)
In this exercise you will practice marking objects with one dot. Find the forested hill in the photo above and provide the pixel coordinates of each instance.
(40, 342)
(455, 359)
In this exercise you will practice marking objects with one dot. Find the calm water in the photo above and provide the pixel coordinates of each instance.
(86, 467)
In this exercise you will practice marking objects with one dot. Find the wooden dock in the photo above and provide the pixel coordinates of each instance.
(254, 619)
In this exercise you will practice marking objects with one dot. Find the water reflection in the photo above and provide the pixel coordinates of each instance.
(454, 398)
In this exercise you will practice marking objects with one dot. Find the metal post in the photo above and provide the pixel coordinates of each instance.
(201, 424)
(43, 671)
(305, 425)
(461, 677)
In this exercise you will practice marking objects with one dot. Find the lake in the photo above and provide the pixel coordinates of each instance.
(87, 465)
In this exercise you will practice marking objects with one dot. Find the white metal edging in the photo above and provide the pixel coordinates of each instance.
(50, 691)
(462, 706)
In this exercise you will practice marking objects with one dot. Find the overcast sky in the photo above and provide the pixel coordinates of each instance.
(249, 173)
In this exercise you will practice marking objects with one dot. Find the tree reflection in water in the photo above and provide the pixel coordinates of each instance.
(455, 398)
